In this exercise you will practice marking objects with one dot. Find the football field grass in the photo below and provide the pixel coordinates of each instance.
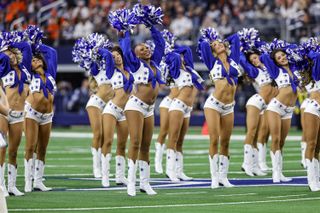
(69, 172)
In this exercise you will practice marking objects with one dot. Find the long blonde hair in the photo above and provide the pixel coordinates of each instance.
(17, 53)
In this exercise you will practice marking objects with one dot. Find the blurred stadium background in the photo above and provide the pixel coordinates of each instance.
(63, 21)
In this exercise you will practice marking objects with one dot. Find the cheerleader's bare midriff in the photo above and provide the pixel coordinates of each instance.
(267, 92)
(286, 96)
(40, 103)
(224, 91)
(16, 100)
(105, 92)
(146, 93)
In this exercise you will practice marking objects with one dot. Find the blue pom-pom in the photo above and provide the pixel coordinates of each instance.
(123, 19)
(34, 36)
(17, 36)
(209, 34)
(169, 40)
(5, 40)
(311, 44)
(151, 45)
(148, 14)
(249, 38)
(81, 53)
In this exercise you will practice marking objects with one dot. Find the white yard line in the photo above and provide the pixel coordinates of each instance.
(167, 205)
(231, 195)
(286, 196)
(55, 134)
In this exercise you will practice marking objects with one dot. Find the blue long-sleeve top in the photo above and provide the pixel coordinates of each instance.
(251, 70)
(173, 61)
(210, 60)
(111, 69)
(134, 63)
(50, 57)
(315, 70)
(275, 70)
(187, 54)
(24, 66)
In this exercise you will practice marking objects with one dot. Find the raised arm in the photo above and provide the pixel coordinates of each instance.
(187, 54)
(130, 58)
(315, 56)
(50, 54)
(107, 56)
(248, 68)
(4, 64)
(206, 54)
(25, 48)
(159, 45)
(272, 68)
(235, 47)
(174, 63)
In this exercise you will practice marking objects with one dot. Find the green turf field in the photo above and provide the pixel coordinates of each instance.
(69, 172)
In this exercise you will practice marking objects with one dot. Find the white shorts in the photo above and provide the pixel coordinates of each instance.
(258, 102)
(313, 107)
(305, 103)
(165, 103)
(181, 106)
(284, 111)
(95, 101)
(136, 104)
(17, 119)
(223, 109)
(41, 118)
(114, 110)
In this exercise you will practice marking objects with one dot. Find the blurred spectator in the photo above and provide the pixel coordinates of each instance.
(83, 28)
(79, 98)
(181, 26)
(62, 96)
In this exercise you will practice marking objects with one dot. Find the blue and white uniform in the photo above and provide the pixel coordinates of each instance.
(313, 106)
(101, 78)
(142, 73)
(282, 79)
(49, 86)
(118, 81)
(182, 78)
(261, 77)
(218, 71)
(10, 77)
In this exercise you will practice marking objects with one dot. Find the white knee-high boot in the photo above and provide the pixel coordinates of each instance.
(105, 169)
(223, 171)
(120, 170)
(179, 167)
(38, 175)
(312, 182)
(262, 156)
(145, 186)
(3, 187)
(3, 203)
(28, 175)
(282, 177)
(247, 159)
(171, 166)
(214, 170)
(96, 162)
(275, 158)
(255, 165)
(158, 157)
(12, 178)
(316, 171)
(34, 157)
(132, 169)
(303, 152)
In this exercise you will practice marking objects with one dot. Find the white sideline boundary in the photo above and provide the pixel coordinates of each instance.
(55, 134)
(167, 206)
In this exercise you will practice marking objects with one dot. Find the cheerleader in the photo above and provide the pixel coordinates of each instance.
(16, 64)
(223, 63)
(39, 113)
(256, 106)
(94, 107)
(280, 108)
(180, 65)
(303, 143)
(160, 145)
(113, 115)
(312, 123)
(140, 106)
(262, 140)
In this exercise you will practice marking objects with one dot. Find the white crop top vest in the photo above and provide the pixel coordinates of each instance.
(101, 78)
(216, 71)
(35, 85)
(283, 79)
(312, 87)
(8, 79)
(141, 75)
(184, 79)
(117, 80)
(263, 77)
